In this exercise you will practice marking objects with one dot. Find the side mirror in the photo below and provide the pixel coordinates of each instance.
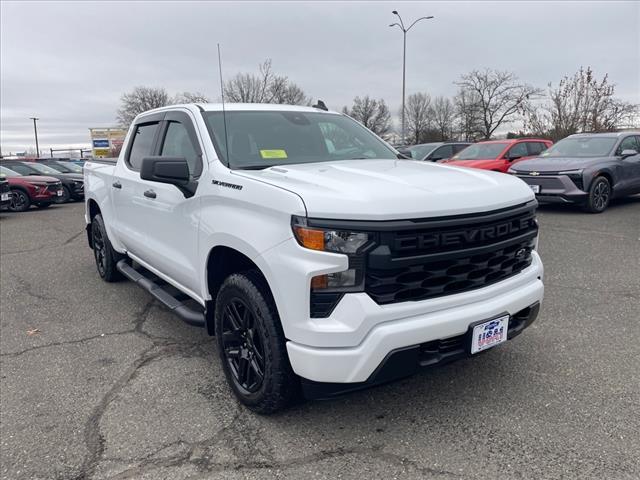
(405, 153)
(171, 170)
(628, 152)
(511, 158)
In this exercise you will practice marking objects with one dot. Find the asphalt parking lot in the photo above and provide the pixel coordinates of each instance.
(98, 381)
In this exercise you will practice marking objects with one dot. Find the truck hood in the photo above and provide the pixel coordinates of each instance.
(393, 189)
(556, 164)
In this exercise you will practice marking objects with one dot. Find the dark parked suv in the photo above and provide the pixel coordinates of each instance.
(587, 169)
(72, 183)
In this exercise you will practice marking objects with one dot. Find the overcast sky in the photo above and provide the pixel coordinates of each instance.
(69, 62)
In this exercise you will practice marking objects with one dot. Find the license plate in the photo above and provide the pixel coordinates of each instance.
(535, 188)
(489, 334)
(4, 196)
(59, 193)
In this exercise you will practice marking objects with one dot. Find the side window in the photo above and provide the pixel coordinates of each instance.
(629, 143)
(178, 144)
(459, 148)
(536, 148)
(142, 144)
(21, 169)
(518, 150)
(445, 151)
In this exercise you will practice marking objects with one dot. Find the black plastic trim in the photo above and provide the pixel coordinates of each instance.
(189, 316)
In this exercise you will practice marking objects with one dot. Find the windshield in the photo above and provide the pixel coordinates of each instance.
(418, 152)
(261, 139)
(23, 169)
(74, 167)
(5, 172)
(481, 151)
(581, 147)
(44, 169)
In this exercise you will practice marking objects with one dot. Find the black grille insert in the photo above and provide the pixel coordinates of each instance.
(453, 255)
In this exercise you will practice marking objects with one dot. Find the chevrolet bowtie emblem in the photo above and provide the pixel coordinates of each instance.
(535, 174)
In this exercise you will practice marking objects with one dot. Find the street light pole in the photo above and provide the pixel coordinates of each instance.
(404, 58)
(35, 131)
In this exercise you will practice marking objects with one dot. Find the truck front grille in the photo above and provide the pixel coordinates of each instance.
(451, 255)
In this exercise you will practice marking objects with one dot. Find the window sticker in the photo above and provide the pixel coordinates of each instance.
(273, 153)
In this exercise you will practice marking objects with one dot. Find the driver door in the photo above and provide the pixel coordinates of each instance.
(629, 180)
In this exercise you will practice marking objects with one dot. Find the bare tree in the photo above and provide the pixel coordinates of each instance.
(190, 97)
(417, 116)
(282, 90)
(467, 111)
(500, 97)
(373, 114)
(443, 115)
(263, 87)
(139, 100)
(580, 103)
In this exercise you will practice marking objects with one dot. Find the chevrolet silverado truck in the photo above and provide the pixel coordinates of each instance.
(321, 259)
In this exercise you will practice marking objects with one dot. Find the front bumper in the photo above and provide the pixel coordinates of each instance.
(407, 361)
(555, 188)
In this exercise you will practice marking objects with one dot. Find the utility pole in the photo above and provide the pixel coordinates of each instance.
(404, 57)
(35, 131)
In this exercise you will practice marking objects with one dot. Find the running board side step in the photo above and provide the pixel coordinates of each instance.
(188, 315)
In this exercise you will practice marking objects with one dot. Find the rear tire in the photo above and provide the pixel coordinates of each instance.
(251, 344)
(106, 257)
(20, 201)
(599, 195)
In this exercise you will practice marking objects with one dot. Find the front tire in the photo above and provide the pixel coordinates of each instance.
(20, 201)
(251, 344)
(599, 195)
(106, 257)
(66, 196)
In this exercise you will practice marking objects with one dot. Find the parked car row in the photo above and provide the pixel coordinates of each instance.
(39, 183)
(588, 169)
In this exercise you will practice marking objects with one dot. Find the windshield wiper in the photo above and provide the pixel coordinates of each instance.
(254, 167)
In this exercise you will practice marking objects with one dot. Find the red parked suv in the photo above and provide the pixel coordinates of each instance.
(499, 155)
(32, 189)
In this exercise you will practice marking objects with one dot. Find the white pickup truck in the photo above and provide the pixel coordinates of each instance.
(322, 260)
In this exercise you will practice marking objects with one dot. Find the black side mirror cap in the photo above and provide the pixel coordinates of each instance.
(171, 170)
(628, 152)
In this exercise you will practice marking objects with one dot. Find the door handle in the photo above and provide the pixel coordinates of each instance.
(116, 185)
(150, 194)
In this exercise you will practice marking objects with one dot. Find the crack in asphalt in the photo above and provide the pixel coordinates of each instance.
(45, 247)
(206, 467)
(26, 286)
(161, 347)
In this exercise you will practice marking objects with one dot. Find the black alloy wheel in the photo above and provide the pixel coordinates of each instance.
(99, 248)
(65, 197)
(20, 201)
(243, 346)
(599, 196)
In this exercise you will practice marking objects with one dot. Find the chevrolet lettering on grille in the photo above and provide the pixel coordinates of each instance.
(466, 237)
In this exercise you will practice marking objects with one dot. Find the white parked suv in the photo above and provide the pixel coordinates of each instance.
(321, 261)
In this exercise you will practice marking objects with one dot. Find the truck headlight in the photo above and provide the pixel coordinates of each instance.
(335, 241)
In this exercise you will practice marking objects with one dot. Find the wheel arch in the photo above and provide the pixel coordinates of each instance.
(93, 209)
(222, 261)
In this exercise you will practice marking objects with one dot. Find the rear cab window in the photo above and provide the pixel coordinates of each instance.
(142, 143)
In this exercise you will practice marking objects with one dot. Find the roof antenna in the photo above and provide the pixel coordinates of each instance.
(224, 113)
(320, 105)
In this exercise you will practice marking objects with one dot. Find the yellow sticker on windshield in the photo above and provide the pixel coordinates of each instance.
(273, 154)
